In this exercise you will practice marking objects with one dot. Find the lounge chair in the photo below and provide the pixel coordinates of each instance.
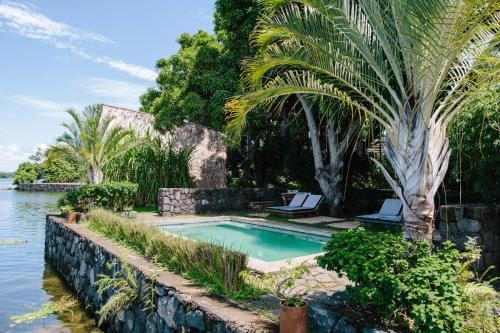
(309, 206)
(298, 199)
(390, 213)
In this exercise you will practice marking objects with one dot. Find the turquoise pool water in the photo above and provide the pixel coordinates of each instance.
(263, 243)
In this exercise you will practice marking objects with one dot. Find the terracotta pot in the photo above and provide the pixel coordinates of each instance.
(71, 217)
(293, 319)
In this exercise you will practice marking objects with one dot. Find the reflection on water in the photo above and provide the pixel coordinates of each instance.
(26, 280)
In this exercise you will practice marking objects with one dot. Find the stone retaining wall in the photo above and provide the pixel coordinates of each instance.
(179, 306)
(478, 221)
(176, 201)
(49, 187)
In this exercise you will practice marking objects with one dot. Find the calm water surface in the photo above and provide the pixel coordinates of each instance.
(26, 280)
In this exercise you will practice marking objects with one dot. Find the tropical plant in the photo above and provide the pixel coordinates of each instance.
(282, 284)
(62, 165)
(410, 66)
(124, 288)
(95, 139)
(151, 166)
(475, 142)
(25, 173)
(408, 285)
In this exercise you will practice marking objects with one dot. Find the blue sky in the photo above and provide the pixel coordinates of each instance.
(56, 54)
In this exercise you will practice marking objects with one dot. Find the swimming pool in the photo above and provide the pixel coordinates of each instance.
(261, 242)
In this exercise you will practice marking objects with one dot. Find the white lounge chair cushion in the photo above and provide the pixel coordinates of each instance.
(312, 201)
(391, 207)
(298, 199)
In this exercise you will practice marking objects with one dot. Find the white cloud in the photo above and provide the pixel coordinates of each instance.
(116, 92)
(12, 154)
(131, 69)
(26, 21)
(50, 108)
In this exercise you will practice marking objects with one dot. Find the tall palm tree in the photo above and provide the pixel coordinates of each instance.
(410, 65)
(92, 136)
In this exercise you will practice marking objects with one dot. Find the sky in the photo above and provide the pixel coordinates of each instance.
(58, 54)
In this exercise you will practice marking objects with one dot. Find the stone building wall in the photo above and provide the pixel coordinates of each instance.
(81, 256)
(458, 222)
(208, 160)
(176, 201)
(49, 187)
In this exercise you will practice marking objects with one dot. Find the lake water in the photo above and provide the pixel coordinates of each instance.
(27, 282)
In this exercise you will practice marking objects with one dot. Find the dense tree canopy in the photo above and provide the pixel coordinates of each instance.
(192, 84)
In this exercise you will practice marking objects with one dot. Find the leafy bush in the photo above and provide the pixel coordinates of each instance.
(475, 143)
(151, 167)
(116, 196)
(397, 279)
(210, 264)
(26, 173)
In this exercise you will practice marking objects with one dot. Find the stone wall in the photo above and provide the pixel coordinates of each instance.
(80, 257)
(176, 201)
(49, 187)
(479, 221)
(208, 160)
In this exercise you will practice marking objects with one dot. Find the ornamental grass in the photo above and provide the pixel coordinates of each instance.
(215, 266)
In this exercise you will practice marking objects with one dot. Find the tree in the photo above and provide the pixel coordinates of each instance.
(192, 84)
(25, 173)
(62, 165)
(475, 140)
(409, 66)
(92, 137)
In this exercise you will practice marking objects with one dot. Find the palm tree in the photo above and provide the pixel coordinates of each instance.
(92, 137)
(410, 65)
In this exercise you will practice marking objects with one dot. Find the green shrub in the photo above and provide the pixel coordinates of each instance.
(210, 264)
(25, 173)
(116, 196)
(399, 280)
(475, 143)
(151, 166)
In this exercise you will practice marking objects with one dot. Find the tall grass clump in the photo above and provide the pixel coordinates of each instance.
(152, 166)
(214, 266)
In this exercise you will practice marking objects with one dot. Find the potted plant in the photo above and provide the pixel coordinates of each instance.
(68, 212)
(283, 285)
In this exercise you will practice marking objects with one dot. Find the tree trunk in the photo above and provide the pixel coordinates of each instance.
(420, 160)
(95, 175)
(328, 176)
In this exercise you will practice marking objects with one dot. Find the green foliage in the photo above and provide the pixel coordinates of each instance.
(479, 298)
(475, 143)
(93, 138)
(124, 289)
(193, 84)
(65, 304)
(398, 279)
(281, 283)
(151, 166)
(213, 265)
(62, 166)
(26, 173)
(116, 196)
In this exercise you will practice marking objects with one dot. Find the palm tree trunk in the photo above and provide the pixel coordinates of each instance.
(420, 160)
(327, 176)
(95, 175)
